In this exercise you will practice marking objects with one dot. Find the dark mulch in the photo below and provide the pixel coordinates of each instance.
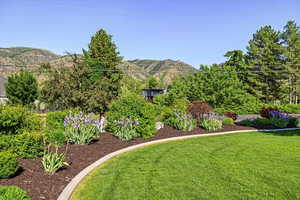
(39, 185)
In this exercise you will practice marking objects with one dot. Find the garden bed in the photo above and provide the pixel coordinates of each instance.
(39, 185)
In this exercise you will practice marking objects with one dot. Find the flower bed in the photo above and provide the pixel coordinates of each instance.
(40, 185)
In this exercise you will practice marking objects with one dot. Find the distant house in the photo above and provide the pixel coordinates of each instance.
(149, 94)
(3, 97)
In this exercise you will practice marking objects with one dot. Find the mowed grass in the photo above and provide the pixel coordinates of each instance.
(237, 166)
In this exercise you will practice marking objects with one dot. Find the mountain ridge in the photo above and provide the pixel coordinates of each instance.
(13, 59)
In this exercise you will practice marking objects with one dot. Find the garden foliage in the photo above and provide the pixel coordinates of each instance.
(53, 161)
(199, 110)
(211, 124)
(135, 107)
(17, 119)
(22, 88)
(26, 145)
(219, 86)
(8, 164)
(181, 121)
(13, 193)
(127, 129)
(228, 121)
(81, 128)
(231, 115)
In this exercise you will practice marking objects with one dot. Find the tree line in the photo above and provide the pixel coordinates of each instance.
(267, 72)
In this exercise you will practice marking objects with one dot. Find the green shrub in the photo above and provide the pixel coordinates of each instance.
(53, 161)
(8, 164)
(293, 122)
(55, 137)
(289, 108)
(228, 121)
(26, 145)
(55, 119)
(55, 126)
(211, 124)
(279, 122)
(33, 122)
(167, 113)
(13, 193)
(29, 145)
(246, 122)
(22, 88)
(261, 122)
(81, 129)
(135, 107)
(12, 119)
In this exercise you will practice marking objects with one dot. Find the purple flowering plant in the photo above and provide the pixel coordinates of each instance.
(81, 128)
(127, 128)
(182, 121)
(278, 119)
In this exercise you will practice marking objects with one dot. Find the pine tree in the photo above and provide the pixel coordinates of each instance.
(238, 60)
(103, 58)
(291, 41)
(22, 88)
(265, 57)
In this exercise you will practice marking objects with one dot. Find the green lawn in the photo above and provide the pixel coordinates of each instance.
(236, 166)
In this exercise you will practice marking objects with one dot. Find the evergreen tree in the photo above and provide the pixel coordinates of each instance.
(238, 60)
(22, 88)
(66, 87)
(103, 58)
(265, 56)
(91, 83)
(291, 42)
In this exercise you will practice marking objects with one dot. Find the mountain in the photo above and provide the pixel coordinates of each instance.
(164, 70)
(16, 58)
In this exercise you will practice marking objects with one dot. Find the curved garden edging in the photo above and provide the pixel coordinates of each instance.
(68, 190)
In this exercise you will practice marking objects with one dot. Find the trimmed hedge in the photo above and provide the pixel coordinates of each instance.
(13, 193)
(8, 164)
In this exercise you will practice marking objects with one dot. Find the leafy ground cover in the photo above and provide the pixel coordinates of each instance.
(237, 166)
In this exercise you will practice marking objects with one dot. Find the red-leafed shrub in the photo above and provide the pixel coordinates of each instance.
(231, 115)
(265, 112)
(199, 110)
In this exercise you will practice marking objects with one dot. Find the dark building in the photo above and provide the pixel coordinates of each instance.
(150, 93)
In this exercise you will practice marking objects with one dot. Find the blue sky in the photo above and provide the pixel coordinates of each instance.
(194, 31)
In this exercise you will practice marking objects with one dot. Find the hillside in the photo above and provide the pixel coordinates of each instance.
(16, 58)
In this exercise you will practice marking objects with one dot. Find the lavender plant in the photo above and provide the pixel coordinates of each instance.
(81, 128)
(127, 128)
(181, 121)
(279, 119)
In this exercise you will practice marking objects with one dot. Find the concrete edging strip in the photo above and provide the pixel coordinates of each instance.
(68, 190)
